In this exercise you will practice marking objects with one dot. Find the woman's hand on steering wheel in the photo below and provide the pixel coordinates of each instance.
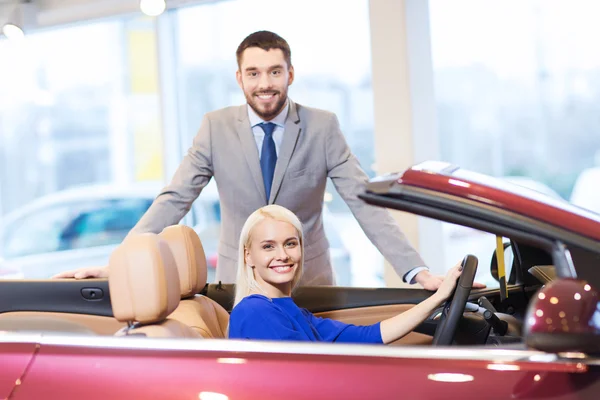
(457, 299)
(449, 283)
(433, 282)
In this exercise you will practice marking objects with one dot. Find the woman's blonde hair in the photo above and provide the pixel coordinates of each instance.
(245, 282)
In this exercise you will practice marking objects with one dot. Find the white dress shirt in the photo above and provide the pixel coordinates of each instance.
(279, 121)
(259, 134)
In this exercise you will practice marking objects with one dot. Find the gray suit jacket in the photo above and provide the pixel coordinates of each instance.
(313, 149)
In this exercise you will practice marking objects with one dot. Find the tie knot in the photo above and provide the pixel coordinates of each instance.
(268, 128)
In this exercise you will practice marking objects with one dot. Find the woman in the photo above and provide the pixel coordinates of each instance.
(270, 265)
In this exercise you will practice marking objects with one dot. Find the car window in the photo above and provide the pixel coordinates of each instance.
(461, 240)
(38, 232)
(106, 223)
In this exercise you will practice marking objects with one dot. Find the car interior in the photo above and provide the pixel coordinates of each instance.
(157, 288)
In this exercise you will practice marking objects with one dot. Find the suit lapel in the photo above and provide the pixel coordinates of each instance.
(250, 150)
(290, 137)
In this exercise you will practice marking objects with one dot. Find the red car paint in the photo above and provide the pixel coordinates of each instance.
(14, 359)
(74, 373)
(570, 306)
(504, 195)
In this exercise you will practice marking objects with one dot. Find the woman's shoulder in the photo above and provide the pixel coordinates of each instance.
(253, 303)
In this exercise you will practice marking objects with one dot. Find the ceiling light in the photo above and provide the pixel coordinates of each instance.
(153, 8)
(12, 32)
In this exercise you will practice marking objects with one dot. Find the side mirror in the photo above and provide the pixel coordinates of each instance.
(564, 316)
(509, 261)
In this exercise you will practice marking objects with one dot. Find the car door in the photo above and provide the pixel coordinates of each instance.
(16, 357)
(218, 369)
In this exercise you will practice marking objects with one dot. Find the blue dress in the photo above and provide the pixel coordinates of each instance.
(259, 317)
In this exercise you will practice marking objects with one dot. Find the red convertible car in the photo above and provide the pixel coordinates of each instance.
(155, 330)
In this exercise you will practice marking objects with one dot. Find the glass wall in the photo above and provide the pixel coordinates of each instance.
(80, 123)
(518, 84)
(517, 87)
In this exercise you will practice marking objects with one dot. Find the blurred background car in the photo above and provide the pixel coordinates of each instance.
(80, 227)
(76, 228)
(585, 191)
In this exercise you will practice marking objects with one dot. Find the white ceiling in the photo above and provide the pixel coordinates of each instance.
(44, 13)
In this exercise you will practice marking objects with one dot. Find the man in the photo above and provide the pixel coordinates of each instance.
(273, 150)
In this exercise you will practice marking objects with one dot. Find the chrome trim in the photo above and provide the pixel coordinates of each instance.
(9, 337)
(299, 348)
(563, 261)
(570, 265)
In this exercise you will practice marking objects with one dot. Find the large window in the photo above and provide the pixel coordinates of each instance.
(78, 109)
(517, 87)
(81, 106)
(333, 72)
(57, 95)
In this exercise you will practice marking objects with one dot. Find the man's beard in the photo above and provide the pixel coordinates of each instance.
(267, 115)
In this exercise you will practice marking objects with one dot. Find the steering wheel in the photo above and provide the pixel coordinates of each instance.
(455, 306)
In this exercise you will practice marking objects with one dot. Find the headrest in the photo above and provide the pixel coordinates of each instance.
(143, 280)
(189, 257)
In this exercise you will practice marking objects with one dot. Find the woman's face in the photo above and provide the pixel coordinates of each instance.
(274, 253)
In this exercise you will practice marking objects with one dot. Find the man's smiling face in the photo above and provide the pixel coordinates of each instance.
(264, 76)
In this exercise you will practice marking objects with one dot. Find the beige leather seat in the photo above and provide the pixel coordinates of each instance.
(204, 315)
(544, 273)
(144, 288)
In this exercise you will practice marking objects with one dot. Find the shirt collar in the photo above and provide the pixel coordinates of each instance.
(279, 120)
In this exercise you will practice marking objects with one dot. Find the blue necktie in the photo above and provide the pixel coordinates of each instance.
(268, 157)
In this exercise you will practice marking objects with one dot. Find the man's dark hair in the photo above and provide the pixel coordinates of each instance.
(265, 40)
